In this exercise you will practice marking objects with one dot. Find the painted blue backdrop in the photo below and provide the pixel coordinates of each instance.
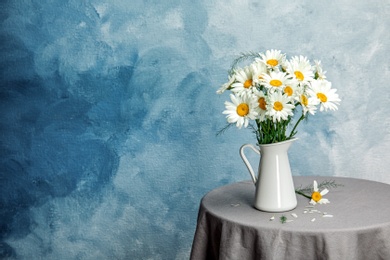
(109, 114)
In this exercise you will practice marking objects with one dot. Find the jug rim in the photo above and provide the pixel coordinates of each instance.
(278, 143)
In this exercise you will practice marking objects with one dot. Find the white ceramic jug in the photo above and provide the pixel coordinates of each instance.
(275, 190)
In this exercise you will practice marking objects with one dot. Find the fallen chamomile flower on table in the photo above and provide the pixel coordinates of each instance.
(316, 196)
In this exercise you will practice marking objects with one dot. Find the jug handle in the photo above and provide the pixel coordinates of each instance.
(248, 165)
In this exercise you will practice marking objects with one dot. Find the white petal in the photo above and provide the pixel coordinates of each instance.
(294, 215)
(325, 191)
(312, 202)
(327, 216)
(324, 201)
(315, 186)
(313, 219)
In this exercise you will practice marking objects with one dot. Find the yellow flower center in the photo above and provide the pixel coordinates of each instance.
(262, 103)
(272, 62)
(322, 97)
(316, 196)
(242, 109)
(288, 90)
(278, 106)
(275, 83)
(299, 75)
(248, 83)
(304, 100)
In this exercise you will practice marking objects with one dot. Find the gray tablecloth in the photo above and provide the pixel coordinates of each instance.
(229, 227)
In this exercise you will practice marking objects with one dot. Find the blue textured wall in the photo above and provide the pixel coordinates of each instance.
(109, 114)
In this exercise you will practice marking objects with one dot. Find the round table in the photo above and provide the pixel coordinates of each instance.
(354, 225)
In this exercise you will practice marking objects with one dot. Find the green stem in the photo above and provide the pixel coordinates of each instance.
(295, 126)
(303, 194)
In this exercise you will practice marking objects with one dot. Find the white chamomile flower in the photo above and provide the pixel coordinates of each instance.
(279, 106)
(258, 69)
(316, 196)
(273, 58)
(300, 69)
(291, 88)
(241, 110)
(309, 104)
(261, 107)
(319, 73)
(275, 80)
(227, 85)
(243, 81)
(325, 95)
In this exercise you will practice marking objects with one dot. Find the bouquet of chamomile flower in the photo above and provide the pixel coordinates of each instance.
(271, 90)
